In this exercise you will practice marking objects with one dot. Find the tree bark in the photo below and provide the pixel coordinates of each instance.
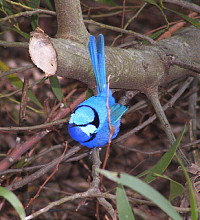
(70, 21)
(139, 68)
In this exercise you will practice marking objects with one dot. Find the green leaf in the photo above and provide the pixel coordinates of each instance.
(158, 33)
(164, 162)
(6, 8)
(13, 200)
(34, 18)
(155, 35)
(194, 22)
(176, 189)
(185, 17)
(34, 99)
(55, 85)
(16, 81)
(34, 4)
(49, 4)
(144, 189)
(22, 33)
(193, 205)
(34, 21)
(123, 206)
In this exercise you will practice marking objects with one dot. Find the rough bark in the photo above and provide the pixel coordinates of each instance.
(70, 21)
(134, 69)
(139, 68)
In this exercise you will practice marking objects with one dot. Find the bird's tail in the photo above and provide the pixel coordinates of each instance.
(97, 56)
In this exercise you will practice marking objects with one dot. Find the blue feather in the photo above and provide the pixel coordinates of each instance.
(89, 124)
(116, 112)
(97, 56)
(101, 62)
(94, 59)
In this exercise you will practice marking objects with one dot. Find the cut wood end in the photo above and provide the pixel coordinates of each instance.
(42, 52)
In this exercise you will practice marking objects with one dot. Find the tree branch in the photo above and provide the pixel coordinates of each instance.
(185, 4)
(70, 21)
(138, 69)
(43, 170)
(153, 117)
(14, 156)
(120, 30)
(13, 44)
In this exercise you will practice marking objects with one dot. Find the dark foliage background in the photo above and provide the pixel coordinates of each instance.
(132, 155)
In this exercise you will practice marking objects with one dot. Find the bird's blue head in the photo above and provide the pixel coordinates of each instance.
(83, 123)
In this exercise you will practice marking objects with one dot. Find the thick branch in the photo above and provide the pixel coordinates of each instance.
(139, 69)
(70, 21)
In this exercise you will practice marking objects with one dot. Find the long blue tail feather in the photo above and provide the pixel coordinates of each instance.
(101, 59)
(97, 56)
(94, 59)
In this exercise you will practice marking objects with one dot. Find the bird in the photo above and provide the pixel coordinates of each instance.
(91, 120)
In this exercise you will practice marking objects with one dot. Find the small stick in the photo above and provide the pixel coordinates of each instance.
(153, 97)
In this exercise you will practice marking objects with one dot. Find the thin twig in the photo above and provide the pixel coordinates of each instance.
(13, 44)
(193, 99)
(185, 4)
(135, 15)
(153, 97)
(19, 4)
(94, 195)
(93, 191)
(152, 118)
(195, 67)
(107, 206)
(27, 13)
(104, 15)
(49, 177)
(192, 143)
(35, 127)
(16, 70)
(43, 170)
(111, 129)
(26, 169)
(174, 28)
(137, 35)
(141, 151)
(127, 97)
(23, 103)
(17, 152)
(96, 181)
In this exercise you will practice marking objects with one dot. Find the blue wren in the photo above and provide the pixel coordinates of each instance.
(89, 124)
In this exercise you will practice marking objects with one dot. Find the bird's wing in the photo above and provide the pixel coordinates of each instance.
(97, 56)
(116, 112)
